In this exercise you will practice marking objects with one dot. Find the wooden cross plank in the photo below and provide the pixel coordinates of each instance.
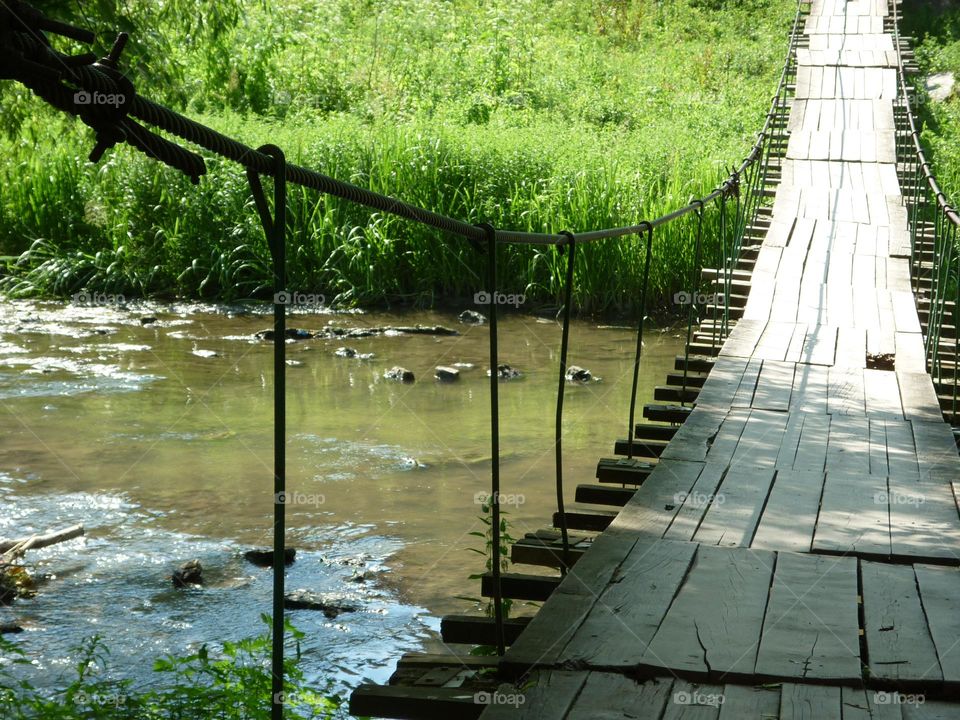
(715, 634)
(732, 517)
(546, 694)
(790, 515)
(654, 572)
(694, 504)
(854, 515)
(614, 695)
(901, 452)
(653, 506)
(936, 448)
(848, 447)
(923, 519)
(881, 393)
(774, 386)
(899, 646)
(918, 397)
(812, 446)
(810, 702)
(810, 627)
(939, 589)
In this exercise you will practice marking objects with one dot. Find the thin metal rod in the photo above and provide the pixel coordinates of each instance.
(631, 430)
(558, 429)
(275, 230)
(494, 441)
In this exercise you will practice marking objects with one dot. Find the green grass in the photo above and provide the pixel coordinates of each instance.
(529, 114)
(936, 27)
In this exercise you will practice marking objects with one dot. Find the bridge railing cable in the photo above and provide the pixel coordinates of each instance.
(933, 226)
(63, 81)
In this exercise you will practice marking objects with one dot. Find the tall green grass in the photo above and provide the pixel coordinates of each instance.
(529, 115)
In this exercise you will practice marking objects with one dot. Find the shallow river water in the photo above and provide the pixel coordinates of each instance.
(159, 439)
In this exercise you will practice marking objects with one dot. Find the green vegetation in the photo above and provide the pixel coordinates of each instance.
(540, 115)
(232, 684)
(936, 27)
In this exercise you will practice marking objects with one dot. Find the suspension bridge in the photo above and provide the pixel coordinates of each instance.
(781, 538)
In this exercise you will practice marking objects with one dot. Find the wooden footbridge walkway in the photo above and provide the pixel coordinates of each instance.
(792, 549)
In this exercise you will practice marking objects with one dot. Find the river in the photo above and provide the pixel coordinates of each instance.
(158, 438)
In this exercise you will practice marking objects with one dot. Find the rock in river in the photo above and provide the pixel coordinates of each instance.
(290, 334)
(472, 317)
(446, 374)
(506, 372)
(399, 374)
(575, 373)
(190, 573)
(328, 605)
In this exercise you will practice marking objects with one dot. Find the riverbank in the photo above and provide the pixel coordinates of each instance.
(531, 116)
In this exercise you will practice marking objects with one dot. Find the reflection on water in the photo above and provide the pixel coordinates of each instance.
(158, 438)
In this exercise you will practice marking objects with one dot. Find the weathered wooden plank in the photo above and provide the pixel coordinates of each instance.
(936, 448)
(810, 627)
(878, 448)
(611, 695)
(923, 518)
(939, 589)
(743, 338)
(899, 646)
(569, 605)
(848, 447)
(545, 695)
(694, 504)
(790, 441)
(774, 386)
(748, 384)
(761, 439)
(911, 356)
(694, 702)
(715, 634)
(863, 704)
(904, 311)
(653, 507)
(845, 391)
(820, 346)
(810, 389)
(901, 452)
(881, 393)
(812, 447)
(918, 397)
(854, 515)
(692, 439)
(722, 382)
(742, 702)
(732, 517)
(810, 702)
(728, 437)
(790, 515)
(851, 347)
(654, 572)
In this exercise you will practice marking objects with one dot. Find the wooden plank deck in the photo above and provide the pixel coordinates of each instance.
(795, 551)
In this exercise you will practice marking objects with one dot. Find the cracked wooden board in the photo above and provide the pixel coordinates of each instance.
(810, 629)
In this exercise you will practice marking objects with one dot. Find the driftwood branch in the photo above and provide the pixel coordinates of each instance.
(35, 542)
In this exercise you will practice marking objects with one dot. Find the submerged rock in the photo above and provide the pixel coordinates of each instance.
(329, 606)
(575, 373)
(264, 558)
(446, 374)
(399, 374)
(506, 372)
(349, 352)
(472, 317)
(190, 573)
(8, 627)
(289, 333)
(148, 320)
